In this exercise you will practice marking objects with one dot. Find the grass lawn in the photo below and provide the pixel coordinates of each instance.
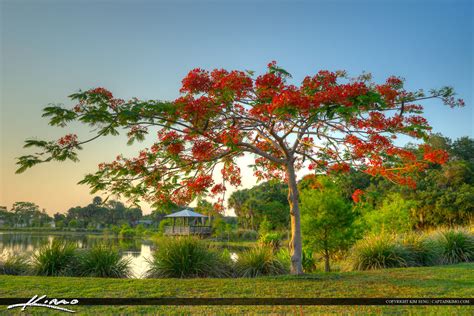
(454, 281)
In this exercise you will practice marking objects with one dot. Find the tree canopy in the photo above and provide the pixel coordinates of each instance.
(329, 123)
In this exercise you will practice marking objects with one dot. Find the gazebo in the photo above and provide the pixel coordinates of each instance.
(187, 222)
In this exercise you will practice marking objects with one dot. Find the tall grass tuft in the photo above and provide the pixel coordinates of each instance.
(57, 258)
(259, 261)
(187, 257)
(379, 252)
(457, 245)
(424, 250)
(103, 261)
(14, 264)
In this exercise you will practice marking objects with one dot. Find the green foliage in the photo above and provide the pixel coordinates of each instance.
(221, 229)
(14, 264)
(457, 245)
(187, 257)
(394, 216)
(259, 261)
(265, 226)
(102, 261)
(379, 252)
(327, 219)
(267, 200)
(308, 260)
(54, 259)
(127, 232)
(163, 223)
(271, 239)
(424, 250)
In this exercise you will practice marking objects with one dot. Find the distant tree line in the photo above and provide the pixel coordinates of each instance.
(96, 215)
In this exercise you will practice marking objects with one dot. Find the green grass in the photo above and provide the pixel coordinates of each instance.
(439, 281)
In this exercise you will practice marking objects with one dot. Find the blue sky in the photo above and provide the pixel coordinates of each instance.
(50, 49)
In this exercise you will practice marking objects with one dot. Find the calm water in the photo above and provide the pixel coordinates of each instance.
(26, 243)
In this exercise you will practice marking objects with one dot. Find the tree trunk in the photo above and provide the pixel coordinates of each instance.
(327, 267)
(296, 248)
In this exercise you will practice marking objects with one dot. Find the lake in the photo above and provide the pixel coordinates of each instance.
(136, 250)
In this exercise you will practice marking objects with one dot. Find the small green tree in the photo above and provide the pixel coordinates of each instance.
(395, 215)
(327, 219)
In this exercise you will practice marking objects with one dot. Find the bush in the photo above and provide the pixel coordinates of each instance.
(103, 261)
(187, 257)
(14, 265)
(379, 252)
(271, 239)
(127, 232)
(424, 251)
(259, 261)
(163, 223)
(57, 258)
(247, 234)
(457, 245)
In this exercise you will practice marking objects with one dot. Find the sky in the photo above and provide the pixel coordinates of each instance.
(50, 49)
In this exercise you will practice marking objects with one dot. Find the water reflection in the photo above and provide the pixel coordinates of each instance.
(138, 251)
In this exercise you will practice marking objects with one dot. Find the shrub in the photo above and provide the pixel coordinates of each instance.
(457, 245)
(424, 251)
(127, 232)
(187, 257)
(246, 234)
(57, 258)
(271, 239)
(265, 227)
(379, 252)
(308, 261)
(103, 261)
(259, 261)
(14, 265)
(163, 223)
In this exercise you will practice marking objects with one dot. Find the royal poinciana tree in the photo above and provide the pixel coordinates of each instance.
(330, 123)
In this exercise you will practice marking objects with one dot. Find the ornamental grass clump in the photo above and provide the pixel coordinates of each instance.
(379, 252)
(259, 261)
(457, 245)
(187, 257)
(103, 261)
(14, 264)
(424, 251)
(54, 259)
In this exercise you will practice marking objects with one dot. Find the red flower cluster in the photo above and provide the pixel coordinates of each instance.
(236, 81)
(68, 140)
(437, 156)
(196, 81)
(268, 85)
(198, 184)
(202, 150)
(103, 92)
(340, 167)
(231, 173)
(356, 195)
(289, 98)
(230, 136)
(218, 188)
(340, 94)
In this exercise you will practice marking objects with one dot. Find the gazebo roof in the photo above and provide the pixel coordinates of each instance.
(185, 213)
